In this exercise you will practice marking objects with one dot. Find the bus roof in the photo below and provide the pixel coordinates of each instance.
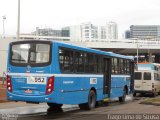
(93, 50)
(63, 44)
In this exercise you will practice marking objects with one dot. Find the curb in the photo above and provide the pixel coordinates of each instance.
(151, 103)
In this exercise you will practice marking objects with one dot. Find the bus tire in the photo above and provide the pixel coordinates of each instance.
(123, 98)
(54, 105)
(99, 103)
(91, 101)
(154, 94)
(134, 94)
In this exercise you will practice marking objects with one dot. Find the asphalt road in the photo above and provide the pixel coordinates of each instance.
(42, 112)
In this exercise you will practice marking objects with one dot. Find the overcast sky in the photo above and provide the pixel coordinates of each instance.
(59, 13)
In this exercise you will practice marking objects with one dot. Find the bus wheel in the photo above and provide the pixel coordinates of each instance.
(54, 105)
(91, 102)
(134, 94)
(99, 103)
(123, 98)
(154, 94)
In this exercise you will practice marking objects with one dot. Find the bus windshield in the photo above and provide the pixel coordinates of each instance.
(30, 54)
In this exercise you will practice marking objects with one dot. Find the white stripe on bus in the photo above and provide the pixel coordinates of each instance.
(56, 75)
(62, 75)
(120, 76)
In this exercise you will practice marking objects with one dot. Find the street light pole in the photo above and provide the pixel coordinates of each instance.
(137, 51)
(4, 18)
(18, 24)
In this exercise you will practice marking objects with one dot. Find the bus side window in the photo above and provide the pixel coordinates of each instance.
(89, 63)
(125, 66)
(121, 66)
(96, 64)
(128, 66)
(79, 62)
(100, 62)
(61, 59)
(114, 66)
(66, 60)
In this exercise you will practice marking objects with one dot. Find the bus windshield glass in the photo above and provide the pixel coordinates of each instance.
(30, 54)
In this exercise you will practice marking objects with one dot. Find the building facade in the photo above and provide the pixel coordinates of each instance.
(127, 34)
(47, 32)
(74, 32)
(145, 31)
(102, 32)
(83, 32)
(89, 31)
(112, 30)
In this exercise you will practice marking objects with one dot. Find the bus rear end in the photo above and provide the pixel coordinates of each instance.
(29, 71)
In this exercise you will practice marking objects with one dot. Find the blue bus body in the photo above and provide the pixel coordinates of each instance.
(68, 88)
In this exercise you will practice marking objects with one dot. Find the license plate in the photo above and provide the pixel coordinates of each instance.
(28, 91)
(36, 80)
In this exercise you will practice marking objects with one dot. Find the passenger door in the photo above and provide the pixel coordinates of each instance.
(147, 82)
(107, 75)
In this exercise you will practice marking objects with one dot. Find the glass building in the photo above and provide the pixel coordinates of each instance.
(145, 31)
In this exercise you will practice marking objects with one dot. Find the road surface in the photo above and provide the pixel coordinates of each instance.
(42, 112)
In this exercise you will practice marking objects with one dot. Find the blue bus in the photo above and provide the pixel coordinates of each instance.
(58, 73)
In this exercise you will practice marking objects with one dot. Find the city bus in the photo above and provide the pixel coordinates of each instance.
(147, 79)
(59, 73)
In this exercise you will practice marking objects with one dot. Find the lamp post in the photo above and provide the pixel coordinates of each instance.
(137, 51)
(4, 18)
(18, 22)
